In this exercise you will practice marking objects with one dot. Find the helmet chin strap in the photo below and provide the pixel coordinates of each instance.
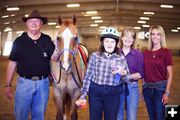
(108, 53)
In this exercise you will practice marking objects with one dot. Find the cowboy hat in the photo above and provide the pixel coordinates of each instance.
(35, 14)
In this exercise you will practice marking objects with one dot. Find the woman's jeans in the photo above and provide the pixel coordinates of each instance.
(153, 93)
(103, 98)
(129, 101)
(31, 97)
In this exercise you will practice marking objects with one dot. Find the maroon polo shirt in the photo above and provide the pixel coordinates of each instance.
(156, 63)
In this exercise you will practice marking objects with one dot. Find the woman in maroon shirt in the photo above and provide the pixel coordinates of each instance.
(158, 71)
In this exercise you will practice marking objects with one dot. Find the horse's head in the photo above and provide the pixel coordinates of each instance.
(68, 42)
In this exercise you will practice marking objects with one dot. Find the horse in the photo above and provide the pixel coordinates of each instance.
(69, 70)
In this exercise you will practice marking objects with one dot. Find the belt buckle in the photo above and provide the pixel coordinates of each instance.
(35, 78)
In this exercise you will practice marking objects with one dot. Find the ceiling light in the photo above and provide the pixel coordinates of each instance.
(166, 6)
(178, 28)
(98, 21)
(174, 30)
(26, 15)
(6, 23)
(145, 25)
(86, 15)
(137, 28)
(5, 16)
(57, 26)
(102, 27)
(91, 12)
(93, 25)
(73, 5)
(13, 21)
(148, 13)
(52, 23)
(7, 29)
(12, 15)
(144, 18)
(19, 32)
(12, 8)
(95, 17)
(140, 21)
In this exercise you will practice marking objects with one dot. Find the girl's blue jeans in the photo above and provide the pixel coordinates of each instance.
(104, 99)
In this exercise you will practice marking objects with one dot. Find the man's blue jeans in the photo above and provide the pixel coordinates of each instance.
(103, 98)
(153, 93)
(129, 101)
(31, 97)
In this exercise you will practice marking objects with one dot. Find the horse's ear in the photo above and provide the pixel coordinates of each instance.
(74, 19)
(59, 20)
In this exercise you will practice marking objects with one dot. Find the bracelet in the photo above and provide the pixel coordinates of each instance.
(8, 85)
(167, 93)
(56, 49)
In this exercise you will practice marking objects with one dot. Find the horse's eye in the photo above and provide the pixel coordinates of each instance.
(58, 38)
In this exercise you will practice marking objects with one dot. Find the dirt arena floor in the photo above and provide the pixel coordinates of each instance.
(6, 107)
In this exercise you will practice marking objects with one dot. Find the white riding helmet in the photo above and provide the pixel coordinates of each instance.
(110, 32)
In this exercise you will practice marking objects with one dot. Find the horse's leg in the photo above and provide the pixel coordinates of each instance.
(74, 97)
(58, 99)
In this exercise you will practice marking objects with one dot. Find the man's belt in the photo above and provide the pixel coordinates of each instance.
(37, 77)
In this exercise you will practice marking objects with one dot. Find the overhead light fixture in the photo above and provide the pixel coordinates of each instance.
(73, 5)
(12, 8)
(26, 15)
(57, 26)
(95, 17)
(13, 21)
(147, 26)
(178, 28)
(6, 23)
(5, 16)
(137, 28)
(148, 13)
(12, 15)
(141, 21)
(52, 23)
(144, 18)
(86, 15)
(91, 12)
(98, 21)
(93, 25)
(102, 27)
(7, 29)
(166, 6)
(19, 32)
(174, 30)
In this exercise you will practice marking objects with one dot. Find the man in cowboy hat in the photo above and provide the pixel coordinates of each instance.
(31, 54)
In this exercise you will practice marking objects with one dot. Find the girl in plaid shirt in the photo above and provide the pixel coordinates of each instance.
(99, 83)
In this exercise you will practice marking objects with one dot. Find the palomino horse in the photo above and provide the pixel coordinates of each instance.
(69, 70)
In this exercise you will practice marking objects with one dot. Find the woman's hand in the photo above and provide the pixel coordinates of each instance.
(119, 70)
(165, 99)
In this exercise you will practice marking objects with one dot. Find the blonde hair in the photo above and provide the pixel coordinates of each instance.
(163, 37)
(125, 31)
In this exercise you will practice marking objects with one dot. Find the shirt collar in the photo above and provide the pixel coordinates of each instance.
(132, 51)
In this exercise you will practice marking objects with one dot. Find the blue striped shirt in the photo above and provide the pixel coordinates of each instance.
(99, 70)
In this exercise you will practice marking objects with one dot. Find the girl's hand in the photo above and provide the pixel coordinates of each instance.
(119, 70)
(81, 103)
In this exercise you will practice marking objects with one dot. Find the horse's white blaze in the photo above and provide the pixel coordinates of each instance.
(67, 35)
